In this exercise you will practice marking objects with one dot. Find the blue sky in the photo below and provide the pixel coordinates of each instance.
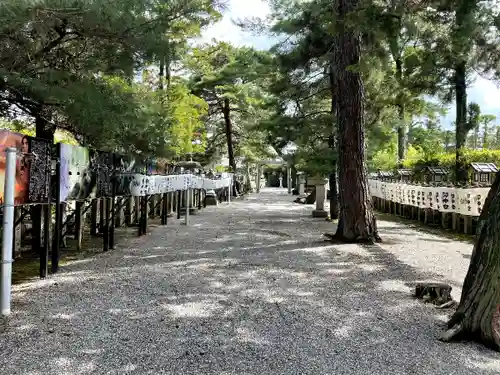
(483, 92)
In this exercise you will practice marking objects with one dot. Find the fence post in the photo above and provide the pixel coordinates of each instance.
(8, 231)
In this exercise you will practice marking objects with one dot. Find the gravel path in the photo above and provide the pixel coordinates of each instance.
(249, 288)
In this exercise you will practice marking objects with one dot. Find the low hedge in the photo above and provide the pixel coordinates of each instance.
(447, 160)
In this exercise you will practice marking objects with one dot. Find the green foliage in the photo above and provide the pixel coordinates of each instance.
(414, 156)
(186, 111)
(71, 65)
(229, 79)
(384, 160)
(447, 159)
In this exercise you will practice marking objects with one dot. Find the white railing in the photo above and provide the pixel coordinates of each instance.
(141, 185)
(468, 201)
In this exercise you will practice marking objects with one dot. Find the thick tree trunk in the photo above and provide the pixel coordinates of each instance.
(401, 114)
(464, 13)
(461, 121)
(334, 194)
(229, 138)
(478, 314)
(229, 134)
(357, 221)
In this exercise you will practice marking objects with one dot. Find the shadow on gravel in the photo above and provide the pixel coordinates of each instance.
(245, 302)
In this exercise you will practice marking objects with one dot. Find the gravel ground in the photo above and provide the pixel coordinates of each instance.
(248, 288)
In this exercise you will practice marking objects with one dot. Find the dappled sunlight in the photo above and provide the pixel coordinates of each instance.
(263, 296)
(333, 271)
(202, 309)
(78, 262)
(144, 256)
(370, 267)
(401, 306)
(63, 316)
(344, 331)
(319, 250)
(116, 311)
(262, 246)
(299, 292)
(91, 351)
(244, 334)
(64, 278)
(393, 285)
(26, 327)
(488, 364)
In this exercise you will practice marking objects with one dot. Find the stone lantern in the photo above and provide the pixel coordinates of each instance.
(320, 183)
(301, 182)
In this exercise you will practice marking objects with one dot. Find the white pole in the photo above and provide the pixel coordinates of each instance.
(8, 230)
(230, 190)
(188, 203)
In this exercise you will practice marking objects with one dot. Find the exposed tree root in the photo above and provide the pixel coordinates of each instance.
(336, 238)
(447, 305)
(452, 333)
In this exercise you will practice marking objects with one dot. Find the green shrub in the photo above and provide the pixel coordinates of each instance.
(447, 159)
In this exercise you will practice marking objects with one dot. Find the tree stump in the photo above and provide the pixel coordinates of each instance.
(435, 293)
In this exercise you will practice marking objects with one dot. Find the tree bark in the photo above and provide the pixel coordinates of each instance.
(478, 314)
(161, 74)
(401, 114)
(462, 36)
(461, 121)
(229, 134)
(357, 221)
(334, 194)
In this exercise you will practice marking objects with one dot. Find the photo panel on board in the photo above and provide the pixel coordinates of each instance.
(76, 179)
(129, 171)
(21, 143)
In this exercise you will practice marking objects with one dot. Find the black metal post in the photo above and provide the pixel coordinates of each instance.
(113, 213)
(141, 211)
(105, 223)
(58, 224)
(145, 214)
(179, 199)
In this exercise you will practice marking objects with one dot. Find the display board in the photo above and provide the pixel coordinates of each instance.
(75, 175)
(32, 167)
(128, 170)
(469, 201)
(90, 174)
(40, 168)
(102, 169)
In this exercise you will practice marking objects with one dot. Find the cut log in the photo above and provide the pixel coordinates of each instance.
(435, 293)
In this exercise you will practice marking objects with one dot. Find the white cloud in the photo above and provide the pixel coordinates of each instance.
(227, 31)
(487, 94)
(483, 92)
